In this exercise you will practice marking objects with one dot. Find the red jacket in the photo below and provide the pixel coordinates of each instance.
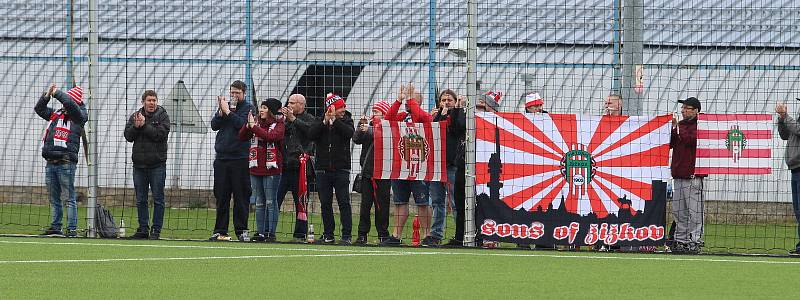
(266, 135)
(684, 148)
(417, 114)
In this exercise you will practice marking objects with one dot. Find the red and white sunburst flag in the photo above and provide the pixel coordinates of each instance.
(592, 164)
(734, 144)
(410, 151)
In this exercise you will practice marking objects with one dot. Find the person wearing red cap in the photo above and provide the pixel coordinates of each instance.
(332, 136)
(489, 101)
(373, 191)
(60, 145)
(148, 130)
(534, 103)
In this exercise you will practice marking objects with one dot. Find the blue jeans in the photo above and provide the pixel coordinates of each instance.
(265, 189)
(60, 179)
(144, 180)
(439, 193)
(796, 203)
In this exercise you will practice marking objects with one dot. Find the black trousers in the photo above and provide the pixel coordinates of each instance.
(328, 183)
(459, 194)
(377, 194)
(289, 182)
(232, 177)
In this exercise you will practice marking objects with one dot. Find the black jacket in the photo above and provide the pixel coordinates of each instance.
(77, 117)
(297, 140)
(367, 157)
(333, 143)
(456, 133)
(150, 140)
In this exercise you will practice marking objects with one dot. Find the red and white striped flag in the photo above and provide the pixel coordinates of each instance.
(410, 151)
(734, 144)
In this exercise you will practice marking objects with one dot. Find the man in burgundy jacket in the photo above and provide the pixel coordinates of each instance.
(687, 203)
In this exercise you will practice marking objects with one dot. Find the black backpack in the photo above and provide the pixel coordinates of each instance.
(104, 223)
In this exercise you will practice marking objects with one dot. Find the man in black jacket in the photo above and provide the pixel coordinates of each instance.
(60, 146)
(456, 132)
(148, 130)
(332, 136)
(297, 141)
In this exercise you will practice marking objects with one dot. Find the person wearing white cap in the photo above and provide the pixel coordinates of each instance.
(534, 103)
(60, 145)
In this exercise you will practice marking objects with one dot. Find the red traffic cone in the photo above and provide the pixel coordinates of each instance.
(415, 232)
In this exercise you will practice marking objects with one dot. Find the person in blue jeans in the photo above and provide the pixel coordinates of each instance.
(789, 130)
(332, 136)
(266, 134)
(440, 192)
(148, 130)
(60, 145)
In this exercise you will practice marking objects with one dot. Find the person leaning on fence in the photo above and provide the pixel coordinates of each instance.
(613, 105)
(148, 130)
(332, 136)
(373, 191)
(402, 189)
(534, 103)
(789, 130)
(687, 202)
(455, 135)
(231, 174)
(266, 134)
(297, 142)
(60, 145)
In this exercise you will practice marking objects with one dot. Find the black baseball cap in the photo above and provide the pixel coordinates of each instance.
(691, 101)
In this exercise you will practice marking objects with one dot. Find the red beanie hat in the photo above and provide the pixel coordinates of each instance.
(334, 100)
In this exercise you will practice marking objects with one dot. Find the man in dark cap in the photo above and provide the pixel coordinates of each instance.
(687, 202)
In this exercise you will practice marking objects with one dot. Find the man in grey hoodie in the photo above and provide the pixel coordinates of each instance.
(789, 130)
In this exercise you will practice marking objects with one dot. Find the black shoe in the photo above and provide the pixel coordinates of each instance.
(795, 252)
(346, 241)
(52, 232)
(72, 233)
(259, 238)
(271, 238)
(141, 234)
(454, 243)
(430, 241)
(361, 240)
(155, 235)
(391, 241)
(327, 240)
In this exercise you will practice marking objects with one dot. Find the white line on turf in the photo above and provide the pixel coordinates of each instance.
(205, 258)
(363, 252)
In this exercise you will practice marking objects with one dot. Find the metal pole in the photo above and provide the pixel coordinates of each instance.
(248, 31)
(91, 133)
(70, 46)
(632, 55)
(432, 56)
(616, 79)
(472, 96)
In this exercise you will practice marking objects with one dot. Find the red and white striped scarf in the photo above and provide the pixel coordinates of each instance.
(62, 129)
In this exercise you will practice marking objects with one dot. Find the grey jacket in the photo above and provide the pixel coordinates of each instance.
(789, 130)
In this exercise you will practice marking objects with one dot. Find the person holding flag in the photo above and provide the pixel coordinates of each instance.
(297, 160)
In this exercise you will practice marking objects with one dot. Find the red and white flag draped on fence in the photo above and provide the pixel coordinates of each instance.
(734, 144)
(410, 151)
(591, 164)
